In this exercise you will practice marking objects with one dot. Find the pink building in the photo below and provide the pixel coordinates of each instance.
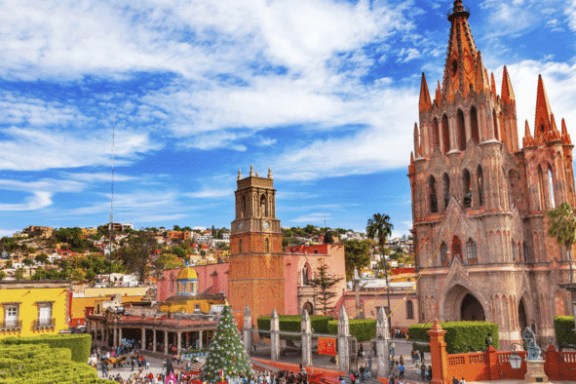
(212, 278)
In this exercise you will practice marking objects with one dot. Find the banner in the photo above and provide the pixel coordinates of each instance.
(327, 346)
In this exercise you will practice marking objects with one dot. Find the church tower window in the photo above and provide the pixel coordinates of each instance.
(306, 274)
(461, 128)
(445, 134)
(542, 189)
(551, 199)
(409, 309)
(467, 189)
(480, 182)
(435, 134)
(263, 206)
(267, 245)
(456, 248)
(495, 124)
(240, 246)
(446, 184)
(444, 255)
(432, 194)
(474, 125)
(471, 252)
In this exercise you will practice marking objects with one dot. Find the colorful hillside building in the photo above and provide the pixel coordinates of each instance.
(480, 200)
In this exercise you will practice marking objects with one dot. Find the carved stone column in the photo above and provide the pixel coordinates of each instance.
(382, 344)
(275, 336)
(343, 336)
(306, 327)
(247, 330)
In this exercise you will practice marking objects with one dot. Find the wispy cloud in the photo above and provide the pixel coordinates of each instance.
(38, 200)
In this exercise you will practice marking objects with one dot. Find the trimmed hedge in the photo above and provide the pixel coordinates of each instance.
(564, 329)
(461, 336)
(42, 364)
(79, 345)
(361, 329)
(292, 323)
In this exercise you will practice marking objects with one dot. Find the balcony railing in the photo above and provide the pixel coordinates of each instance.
(11, 325)
(44, 324)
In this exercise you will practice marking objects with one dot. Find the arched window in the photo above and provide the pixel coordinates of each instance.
(432, 195)
(542, 189)
(263, 206)
(444, 255)
(551, 199)
(409, 309)
(461, 128)
(471, 252)
(240, 246)
(515, 192)
(467, 189)
(446, 187)
(480, 182)
(474, 125)
(306, 274)
(445, 135)
(242, 206)
(267, 245)
(456, 248)
(495, 124)
(514, 251)
(435, 134)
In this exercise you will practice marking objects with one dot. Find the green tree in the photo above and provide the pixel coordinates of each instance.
(167, 261)
(2, 275)
(226, 354)
(357, 255)
(328, 238)
(324, 282)
(136, 252)
(562, 222)
(379, 228)
(19, 274)
(41, 258)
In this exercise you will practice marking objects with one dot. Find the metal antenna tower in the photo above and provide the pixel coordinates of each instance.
(111, 217)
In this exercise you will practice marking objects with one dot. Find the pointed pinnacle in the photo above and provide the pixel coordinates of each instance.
(425, 101)
(507, 91)
(565, 135)
(542, 121)
(493, 85)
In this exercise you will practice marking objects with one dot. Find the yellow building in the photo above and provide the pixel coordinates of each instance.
(187, 299)
(89, 300)
(33, 308)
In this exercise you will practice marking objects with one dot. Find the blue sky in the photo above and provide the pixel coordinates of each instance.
(322, 91)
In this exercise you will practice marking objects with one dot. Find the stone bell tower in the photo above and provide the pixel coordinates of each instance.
(256, 259)
(480, 201)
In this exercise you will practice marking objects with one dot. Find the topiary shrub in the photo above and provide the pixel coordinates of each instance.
(79, 345)
(564, 329)
(361, 329)
(461, 336)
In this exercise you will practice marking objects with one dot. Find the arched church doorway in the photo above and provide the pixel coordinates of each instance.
(309, 308)
(471, 309)
(522, 318)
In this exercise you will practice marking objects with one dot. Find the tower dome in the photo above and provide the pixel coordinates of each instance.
(187, 282)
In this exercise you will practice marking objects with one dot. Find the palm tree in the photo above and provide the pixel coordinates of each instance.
(380, 228)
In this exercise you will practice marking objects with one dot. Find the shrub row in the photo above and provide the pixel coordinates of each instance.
(361, 329)
(79, 345)
(292, 323)
(564, 328)
(461, 336)
(42, 364)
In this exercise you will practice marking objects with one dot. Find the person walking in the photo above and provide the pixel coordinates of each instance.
(455, 380)
(463, 380)
(423, 372)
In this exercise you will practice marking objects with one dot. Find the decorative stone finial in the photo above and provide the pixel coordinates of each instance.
(239, 174)
(251, 170)
(269, 173)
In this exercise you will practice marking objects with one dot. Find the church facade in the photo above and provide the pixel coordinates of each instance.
(480, 198)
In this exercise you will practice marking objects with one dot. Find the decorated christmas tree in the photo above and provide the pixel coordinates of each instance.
(226, 355)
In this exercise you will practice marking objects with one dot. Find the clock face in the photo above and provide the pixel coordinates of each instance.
(240, 225)
(266, 225)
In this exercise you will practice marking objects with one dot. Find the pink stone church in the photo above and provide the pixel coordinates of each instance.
(480, 198)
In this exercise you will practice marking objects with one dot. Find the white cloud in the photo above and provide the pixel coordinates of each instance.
(37, 201)
(570, 12)
(39, 149)
(313, 217)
